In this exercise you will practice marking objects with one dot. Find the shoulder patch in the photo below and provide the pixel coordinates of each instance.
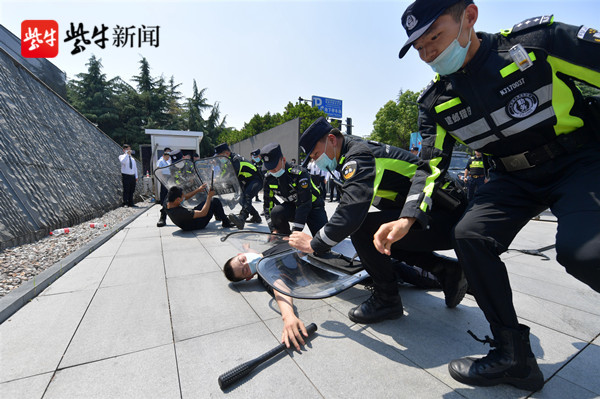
(589, 34)
(532, 22)
(349, 169)
(303, 182)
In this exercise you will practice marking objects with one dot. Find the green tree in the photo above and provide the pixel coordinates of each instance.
(396, 120)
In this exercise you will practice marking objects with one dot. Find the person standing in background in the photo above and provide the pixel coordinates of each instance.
(129, 175)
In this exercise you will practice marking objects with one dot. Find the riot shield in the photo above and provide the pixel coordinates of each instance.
(296, 274)
(189, 175)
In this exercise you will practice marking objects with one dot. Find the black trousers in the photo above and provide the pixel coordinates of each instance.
(128, 188)
(216, 210)
(249, 191)
(163, 201)
(570, 186)
(474, 184)
(282, 214)
(416, 248)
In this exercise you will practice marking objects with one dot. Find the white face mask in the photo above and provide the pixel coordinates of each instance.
(252, 260)
(453, 57)
(324, 162)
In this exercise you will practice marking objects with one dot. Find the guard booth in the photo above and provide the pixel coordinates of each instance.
(186, 141)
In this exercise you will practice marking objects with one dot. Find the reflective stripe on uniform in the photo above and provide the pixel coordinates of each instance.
(326, 239)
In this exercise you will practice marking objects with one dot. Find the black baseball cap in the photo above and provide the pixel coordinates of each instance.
(271, 154)
(420, 15)
(313, 134)
(221, 147)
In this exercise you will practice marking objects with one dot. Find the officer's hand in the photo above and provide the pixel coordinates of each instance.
(391, 232)
(301, 241)
(293, 330)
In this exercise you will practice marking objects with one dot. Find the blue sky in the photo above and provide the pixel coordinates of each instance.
(256, 56)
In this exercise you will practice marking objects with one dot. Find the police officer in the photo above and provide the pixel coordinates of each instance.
(475, 174)
(511, 96)
(163, 162)
(250, 181)
(301, 203)
(378, 174)
(257, 161)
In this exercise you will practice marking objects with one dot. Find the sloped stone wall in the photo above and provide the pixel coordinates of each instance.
(56, 168)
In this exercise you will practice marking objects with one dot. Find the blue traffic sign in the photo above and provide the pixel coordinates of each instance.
(330, 106)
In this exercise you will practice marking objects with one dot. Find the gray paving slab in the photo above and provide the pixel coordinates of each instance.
(203, 359)
(559, 388)
(120, 320)
(202, 304)
(86, 275)
(577, 371)
(25, 388)
(110, 247)
(346, 361)
(35, 338)
(135, 269)
(149, 373)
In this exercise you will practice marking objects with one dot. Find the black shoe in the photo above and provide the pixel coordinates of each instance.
(161, 223)
(255, 219)
(512, 362)
(452, 279)
(377, 308)
(235, 219)
(226, 224)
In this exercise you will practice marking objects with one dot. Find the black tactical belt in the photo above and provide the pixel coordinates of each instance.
(565, 143)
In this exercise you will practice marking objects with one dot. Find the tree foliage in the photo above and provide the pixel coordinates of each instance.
(396, 120)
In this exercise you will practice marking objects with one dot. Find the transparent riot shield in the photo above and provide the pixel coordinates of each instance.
(189, 175)
(296, 274)
(219, 173)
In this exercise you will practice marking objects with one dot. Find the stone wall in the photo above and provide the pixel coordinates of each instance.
(286, 135)
(56, 168)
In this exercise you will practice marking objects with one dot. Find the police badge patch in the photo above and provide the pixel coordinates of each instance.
(349, 169)
(522, 105)
(303, 182)
(589, 35)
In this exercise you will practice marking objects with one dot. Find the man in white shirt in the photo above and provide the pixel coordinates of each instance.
(129, 175)
(163, 161)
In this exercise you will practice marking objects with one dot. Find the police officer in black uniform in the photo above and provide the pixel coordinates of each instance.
(378, 174)
(511, 96)
(250, 182)
(300, 200)
(257, 161)
(475, 174)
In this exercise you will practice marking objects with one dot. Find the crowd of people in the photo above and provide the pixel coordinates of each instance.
(511, 98)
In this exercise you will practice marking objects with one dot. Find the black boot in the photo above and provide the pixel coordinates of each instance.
(382, 305)
(163, 218)
(255, 218)
(450, 275)
(236, 220)
(512, 362)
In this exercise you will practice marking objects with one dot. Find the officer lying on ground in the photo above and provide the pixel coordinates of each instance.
(197, 218)
(379, 174)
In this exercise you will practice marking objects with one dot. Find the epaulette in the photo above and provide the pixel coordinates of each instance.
(428, 87)
(589, 35)
(529, 24)
(296, 170)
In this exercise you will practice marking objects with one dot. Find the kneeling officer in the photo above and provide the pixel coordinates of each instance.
(301, 203)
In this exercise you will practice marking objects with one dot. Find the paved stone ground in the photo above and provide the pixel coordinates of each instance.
(150, 315)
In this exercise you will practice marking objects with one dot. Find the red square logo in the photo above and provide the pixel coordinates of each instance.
(39, 38)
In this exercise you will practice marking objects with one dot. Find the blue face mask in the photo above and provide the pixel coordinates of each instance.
(252, 260)
(453, 57)
(324, 162)
(256, 159)
(279, 173)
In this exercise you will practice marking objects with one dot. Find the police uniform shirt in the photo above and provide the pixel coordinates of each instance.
(294, 186)
(494, 107)
(245, 170)
(475, 166)
(371, 173)
(125, 168)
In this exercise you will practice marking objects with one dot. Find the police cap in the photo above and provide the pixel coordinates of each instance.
(221, 147)
(419, 16)
(271, 154)
(255, 153)
(313, 134)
